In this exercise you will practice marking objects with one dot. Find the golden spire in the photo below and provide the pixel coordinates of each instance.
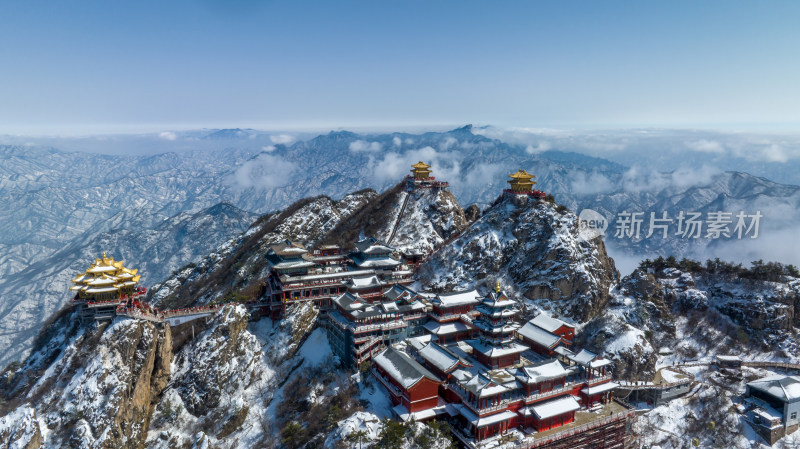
(497, 286)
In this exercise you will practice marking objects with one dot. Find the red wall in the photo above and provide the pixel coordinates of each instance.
(423, 395)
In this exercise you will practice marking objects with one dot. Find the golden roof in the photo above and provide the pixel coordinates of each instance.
(421, 165)
(521, 175)
(105, 271)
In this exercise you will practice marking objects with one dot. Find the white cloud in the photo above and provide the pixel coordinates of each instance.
(360, 146)
(690, 177)
(775, 153)
(638, 179)
(538, 147)
(264, 171)
(268, 148)
(706, 146)
(593, 183)
(283, 139)
(167, 135)
(448, 143)
(396, 141)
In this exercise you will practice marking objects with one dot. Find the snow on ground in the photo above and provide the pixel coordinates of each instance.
(19, 428)
(357, 422)
(316, 349)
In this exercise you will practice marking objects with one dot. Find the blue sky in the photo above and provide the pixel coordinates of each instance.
(81, 66)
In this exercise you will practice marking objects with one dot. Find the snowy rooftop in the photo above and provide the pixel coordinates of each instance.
(399, 292)
(538, 335)
(378, 262)
(366, 282)
(589, 359)
(556, 407)
(482, 386)
(542, 371)
(439, 357)
(458, 299)
(495, 299)
(784, 388)
(493, 351)
(370, 245)
(402, 368)
(602, 388)
(323, 276)
(548, 323)
(445, 329)
(293, 264)
(486, 420)
(287, 248)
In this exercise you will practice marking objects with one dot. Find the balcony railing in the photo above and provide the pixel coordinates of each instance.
(554, 392)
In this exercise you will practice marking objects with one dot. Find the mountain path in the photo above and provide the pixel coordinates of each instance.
(399, 217)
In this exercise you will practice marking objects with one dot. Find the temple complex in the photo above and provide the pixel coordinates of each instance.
(103, 286)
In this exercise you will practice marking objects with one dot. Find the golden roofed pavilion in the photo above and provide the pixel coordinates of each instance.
(421, 170)
(105, 280)
(521, 182)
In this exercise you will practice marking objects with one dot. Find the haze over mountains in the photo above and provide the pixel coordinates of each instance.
(60, 208)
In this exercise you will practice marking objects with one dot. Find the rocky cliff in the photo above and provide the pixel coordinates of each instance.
(533, 248)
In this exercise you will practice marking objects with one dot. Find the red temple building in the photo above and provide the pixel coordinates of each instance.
(411, 386)
(554, 326)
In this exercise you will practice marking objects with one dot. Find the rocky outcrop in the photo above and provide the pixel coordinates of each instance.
(99, 390)
(534, 249)
(220, 384)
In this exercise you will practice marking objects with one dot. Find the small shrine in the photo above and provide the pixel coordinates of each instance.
(105, 280)
(521, 186)
(521, 182)
(421, 177)
(421, 170)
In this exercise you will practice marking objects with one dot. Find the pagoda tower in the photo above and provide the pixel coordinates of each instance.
(105, 280)
(421, 177)
(521, 182)
(496, 347)
(421, 170)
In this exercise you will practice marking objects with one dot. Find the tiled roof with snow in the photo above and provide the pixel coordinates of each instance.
(398, 291)
(552, 369)
(538, 335)
(494, 351)
(494, 299)
(784, 388)
(602, 388)
(556, 407)
(370, 245)
(439, 357)
(377, 262)
(445, 329)
(402, 368)
(588, 358)
(457, 299)
(366, 282)
(486, 420)
(549, 323)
